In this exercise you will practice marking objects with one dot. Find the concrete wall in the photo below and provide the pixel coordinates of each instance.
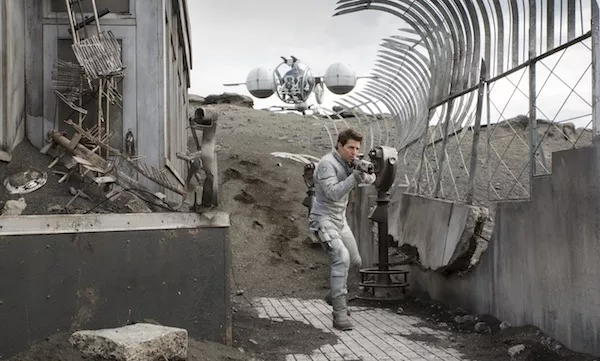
(541, 267)
(12, 73)
(67, 273)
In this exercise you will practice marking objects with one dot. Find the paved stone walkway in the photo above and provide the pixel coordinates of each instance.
(379, 334)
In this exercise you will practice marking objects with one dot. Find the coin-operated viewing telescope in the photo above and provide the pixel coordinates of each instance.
(379, 282)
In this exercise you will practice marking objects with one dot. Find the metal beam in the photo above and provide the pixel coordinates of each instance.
(596, 69)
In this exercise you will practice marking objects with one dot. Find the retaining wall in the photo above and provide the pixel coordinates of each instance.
(62, 273)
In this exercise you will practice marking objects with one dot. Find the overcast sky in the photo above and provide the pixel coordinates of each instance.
(230, 37)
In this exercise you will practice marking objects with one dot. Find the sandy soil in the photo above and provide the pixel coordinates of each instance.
(263, 194)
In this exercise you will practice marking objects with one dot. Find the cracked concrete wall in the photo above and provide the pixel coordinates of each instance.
(12, 74)
(441, 231)
(541, 266)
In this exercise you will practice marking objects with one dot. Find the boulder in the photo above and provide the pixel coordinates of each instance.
(229, 98)
(138, 342)
(348, 113)
(196, 99)
(482, 327)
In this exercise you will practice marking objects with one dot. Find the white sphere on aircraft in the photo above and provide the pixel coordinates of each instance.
(340, 78)
(259, 83)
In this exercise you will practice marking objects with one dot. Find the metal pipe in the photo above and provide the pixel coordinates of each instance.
(476, 131)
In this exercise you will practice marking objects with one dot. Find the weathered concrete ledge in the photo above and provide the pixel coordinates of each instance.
(445, 234)
(113, 222)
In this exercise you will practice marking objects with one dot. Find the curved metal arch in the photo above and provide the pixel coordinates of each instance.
(411, 99)
(390, 102)
(414, 101)
(409, 62)
(400, 125)
(422, 17)
(386, 98)
(393, 76)
(459, 37)
(416, 73)
(399, 96)
(398, 50)
(379, 111)
(441, 32)
(370, 119)
(393, 91)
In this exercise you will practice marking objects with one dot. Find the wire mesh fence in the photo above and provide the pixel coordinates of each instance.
(480, 93)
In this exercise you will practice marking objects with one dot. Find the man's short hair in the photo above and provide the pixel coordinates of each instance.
(348, 134)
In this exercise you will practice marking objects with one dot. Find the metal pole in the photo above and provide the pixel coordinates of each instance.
(422, 162)
(438, 182)
(533, 136)
(72, 21)
(383, 199)
(489, 141)
(96, 16)
(476, 131)
(595, 68)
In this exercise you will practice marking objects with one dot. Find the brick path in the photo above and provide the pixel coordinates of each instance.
(378, 335)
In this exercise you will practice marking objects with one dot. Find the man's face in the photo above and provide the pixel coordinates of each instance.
(349, 151)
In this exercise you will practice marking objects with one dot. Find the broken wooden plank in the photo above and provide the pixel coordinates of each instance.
(46, 148)
(105, 179)
(174, 171)
(82, 160)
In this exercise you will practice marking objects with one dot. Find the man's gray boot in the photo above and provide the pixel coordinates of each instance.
(341, 321)
(329, 301)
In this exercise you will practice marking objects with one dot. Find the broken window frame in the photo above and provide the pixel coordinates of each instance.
(49, 14)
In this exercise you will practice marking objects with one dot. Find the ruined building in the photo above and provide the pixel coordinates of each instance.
(147, 95)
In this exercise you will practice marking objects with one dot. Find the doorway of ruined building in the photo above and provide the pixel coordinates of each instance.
(58, 46)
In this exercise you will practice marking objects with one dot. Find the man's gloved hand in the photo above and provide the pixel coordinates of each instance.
(364, 178)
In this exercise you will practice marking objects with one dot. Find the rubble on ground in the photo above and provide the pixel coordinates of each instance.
(14, 207)
(63, 192)
(515, 350)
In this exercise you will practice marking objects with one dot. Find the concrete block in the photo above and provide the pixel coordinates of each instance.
(444, 233)
(138, 342)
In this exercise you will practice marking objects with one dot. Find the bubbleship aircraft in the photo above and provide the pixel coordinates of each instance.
(294, 82)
